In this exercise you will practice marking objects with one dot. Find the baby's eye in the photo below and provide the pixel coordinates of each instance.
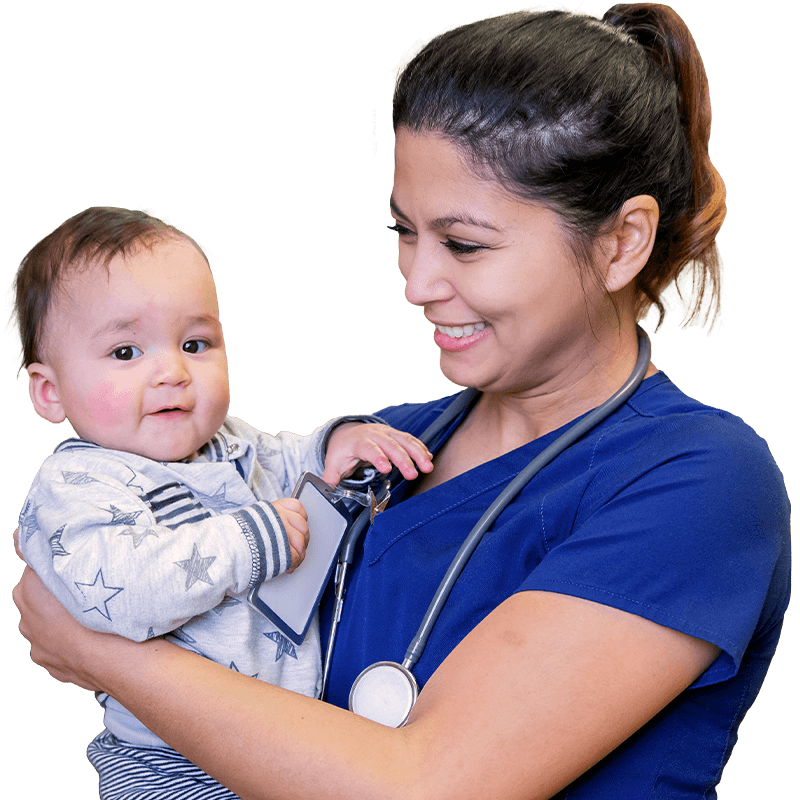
(127, 353)
(195, 346)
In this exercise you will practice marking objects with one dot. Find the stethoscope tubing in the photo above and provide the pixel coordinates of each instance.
(512, 489)
(348, 549)
(506, 496)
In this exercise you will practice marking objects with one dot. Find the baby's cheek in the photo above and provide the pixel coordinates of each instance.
(109, 403)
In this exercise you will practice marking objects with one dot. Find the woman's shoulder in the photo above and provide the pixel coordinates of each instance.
(658, 411)
(661, 412)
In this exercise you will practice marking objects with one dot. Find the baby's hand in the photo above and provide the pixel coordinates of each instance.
(295, 521)
(378, 444)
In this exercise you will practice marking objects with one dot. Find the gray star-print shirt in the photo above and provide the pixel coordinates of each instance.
(143, 548)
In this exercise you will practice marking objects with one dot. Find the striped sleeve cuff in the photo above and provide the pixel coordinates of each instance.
(267, 539)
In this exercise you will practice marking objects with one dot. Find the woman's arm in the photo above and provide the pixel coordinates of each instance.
(543, 688)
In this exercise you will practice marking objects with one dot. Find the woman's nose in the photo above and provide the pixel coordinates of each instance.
(426, 276)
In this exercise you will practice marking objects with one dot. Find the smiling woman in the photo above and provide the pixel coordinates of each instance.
(476, 256)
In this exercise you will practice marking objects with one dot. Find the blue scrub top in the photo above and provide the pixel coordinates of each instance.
(669, 509)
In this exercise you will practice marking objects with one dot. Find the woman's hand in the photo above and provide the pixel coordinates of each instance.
(58, 642)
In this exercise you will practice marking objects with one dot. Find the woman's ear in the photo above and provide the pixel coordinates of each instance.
(631, 241)
(43, 389)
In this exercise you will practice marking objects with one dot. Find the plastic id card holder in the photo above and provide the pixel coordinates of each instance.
(290, 600)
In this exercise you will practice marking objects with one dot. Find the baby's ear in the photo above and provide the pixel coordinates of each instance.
(43, 389)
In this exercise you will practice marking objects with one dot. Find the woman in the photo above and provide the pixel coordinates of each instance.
(552, 179)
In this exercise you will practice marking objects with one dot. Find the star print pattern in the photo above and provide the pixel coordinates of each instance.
(218, 500)
(152, 570)
(228, 602)
(284, 646)
(97, 595)
(55, 543)
(120, 517)
(77, 478)
(236, 669)
(134, 483)
(196, 568)
(28, 524)
(138, 535)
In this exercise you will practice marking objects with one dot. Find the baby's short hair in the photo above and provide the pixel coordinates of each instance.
(95, 236)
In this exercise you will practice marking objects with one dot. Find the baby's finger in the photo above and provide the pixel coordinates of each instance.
(407, 454)
(292, 505)
(298, 543)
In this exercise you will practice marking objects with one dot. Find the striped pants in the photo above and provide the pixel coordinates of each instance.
(149, 773)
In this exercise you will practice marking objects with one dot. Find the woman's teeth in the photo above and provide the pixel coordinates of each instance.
(459, 331)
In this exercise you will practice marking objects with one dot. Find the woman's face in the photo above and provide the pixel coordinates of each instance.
(493, 273)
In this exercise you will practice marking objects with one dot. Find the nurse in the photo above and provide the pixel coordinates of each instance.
(611, 630)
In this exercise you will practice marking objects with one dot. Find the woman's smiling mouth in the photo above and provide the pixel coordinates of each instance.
(455, 338)
(459, 331)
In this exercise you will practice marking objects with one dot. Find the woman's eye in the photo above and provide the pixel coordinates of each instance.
(127, 353)
(194, 346)
(400, 229)
(462, 248)
(454, 246)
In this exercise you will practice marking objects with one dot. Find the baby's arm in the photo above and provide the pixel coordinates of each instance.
(332, 451)
(98, 547)
(380, 445)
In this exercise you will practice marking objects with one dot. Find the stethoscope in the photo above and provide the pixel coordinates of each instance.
(386, 691)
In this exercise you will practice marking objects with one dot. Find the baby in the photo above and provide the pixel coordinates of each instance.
(165, 512)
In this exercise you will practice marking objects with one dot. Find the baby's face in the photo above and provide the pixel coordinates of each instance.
(139, 355)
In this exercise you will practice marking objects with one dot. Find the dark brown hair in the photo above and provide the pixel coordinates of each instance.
(582, 114)
(95, 236)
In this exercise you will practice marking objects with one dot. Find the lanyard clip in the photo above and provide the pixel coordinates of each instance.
(374, 502)
(376, 505)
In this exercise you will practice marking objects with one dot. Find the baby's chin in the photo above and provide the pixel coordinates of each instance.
(164, 456)
(170, 436)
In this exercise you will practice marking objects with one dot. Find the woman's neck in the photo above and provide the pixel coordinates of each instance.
(520, 416)
(503, 421)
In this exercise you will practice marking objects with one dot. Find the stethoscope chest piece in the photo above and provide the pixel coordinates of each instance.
(384, 692)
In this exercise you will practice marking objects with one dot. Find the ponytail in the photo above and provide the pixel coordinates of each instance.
(670, 45)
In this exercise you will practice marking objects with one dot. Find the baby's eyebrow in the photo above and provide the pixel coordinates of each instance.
(203, 319)
(117, 326)
(114, 326)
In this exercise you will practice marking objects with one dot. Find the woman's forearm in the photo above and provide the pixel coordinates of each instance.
(542, 689)
(259, 740)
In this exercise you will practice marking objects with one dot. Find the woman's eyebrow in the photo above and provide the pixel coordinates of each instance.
(447, 221)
